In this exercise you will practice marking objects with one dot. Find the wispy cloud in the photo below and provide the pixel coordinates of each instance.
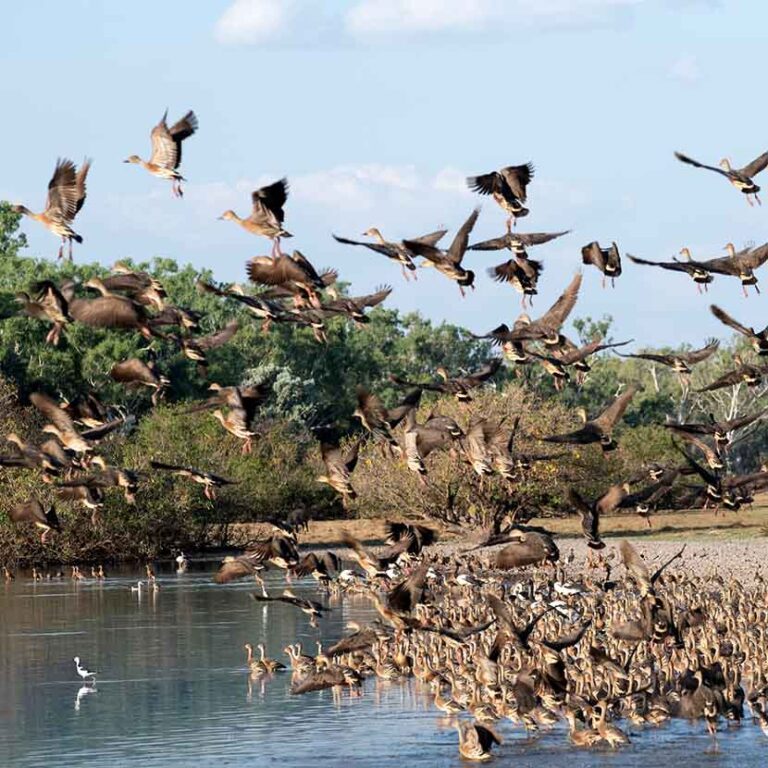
(387, 17)
(685, 68)
(249, 22)
(246, 22)
(451, 180)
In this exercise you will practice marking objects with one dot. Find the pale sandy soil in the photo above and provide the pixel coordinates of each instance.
(733, 544)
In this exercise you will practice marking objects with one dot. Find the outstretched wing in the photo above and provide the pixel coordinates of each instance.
(757, 165)
(559, 311)
(608, 418)
(726, 319)
(696, 164)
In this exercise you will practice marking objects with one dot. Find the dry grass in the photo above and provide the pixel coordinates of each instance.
(689, 525)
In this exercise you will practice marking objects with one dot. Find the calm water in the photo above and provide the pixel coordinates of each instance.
(173, 690)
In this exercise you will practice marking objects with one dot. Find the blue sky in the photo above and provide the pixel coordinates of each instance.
(377, 109)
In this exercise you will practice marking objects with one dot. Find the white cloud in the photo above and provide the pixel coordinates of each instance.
(451, 180)
(686, 68)
(382, 17)
(354, 186)
(252, 21)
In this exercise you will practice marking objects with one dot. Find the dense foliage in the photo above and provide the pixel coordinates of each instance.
(311, 384)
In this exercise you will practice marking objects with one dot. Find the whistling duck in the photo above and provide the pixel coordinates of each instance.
(696, 270)
(374, 417)
(508, 186)
(449, 262)
(301, 664)
(607, 260)
(32, 511)
(741, 178)
(458, 386)
(517, 242)
(267, 216)
(521, 274)
(50, 304)
(279, 549)
(137, 373)
(109, 310)
(422, 439)
(312, 608)
(355, 306)
(166, 149)
(545, 328)
(741, 264)
(208, 480)
(271, 665)
(590, 513)
(294, 272)
(255, 667)
(235, 423)
(195, 348)
(758, 339)
(681, 362)
(66, 195)
(719, 430)
(140, 286)
(338, 466)
(609, 733)
(746, 373)
(398, 252)
(600, 429)
(476, 741)
(61, 424)
(580, 737)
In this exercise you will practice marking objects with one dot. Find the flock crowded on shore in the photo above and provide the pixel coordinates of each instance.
(505, 629)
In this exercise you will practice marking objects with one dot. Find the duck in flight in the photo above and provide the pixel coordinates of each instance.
(741, 178)
(66, 196)
(165, 159)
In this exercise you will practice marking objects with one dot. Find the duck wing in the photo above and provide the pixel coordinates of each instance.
(272, 197)
(674, 266)
(726, 319)
(557, 314)
(62, 192)
(460, 242)
(608, 418)
(404, 597)
(696, 164)
(517, 178)
(165, 150)
(757, 165)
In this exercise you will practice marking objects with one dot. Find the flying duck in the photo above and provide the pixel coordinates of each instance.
(165, 159)
(741, 178)
(66, 196)
(508, 186)
(267, 216)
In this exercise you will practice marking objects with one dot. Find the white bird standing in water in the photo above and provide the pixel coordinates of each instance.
(83, 672)
(181, 563)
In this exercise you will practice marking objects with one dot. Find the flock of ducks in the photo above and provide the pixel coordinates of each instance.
(509, 636)
(499, 637)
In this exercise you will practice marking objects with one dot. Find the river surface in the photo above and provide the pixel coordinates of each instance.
(172, 690)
